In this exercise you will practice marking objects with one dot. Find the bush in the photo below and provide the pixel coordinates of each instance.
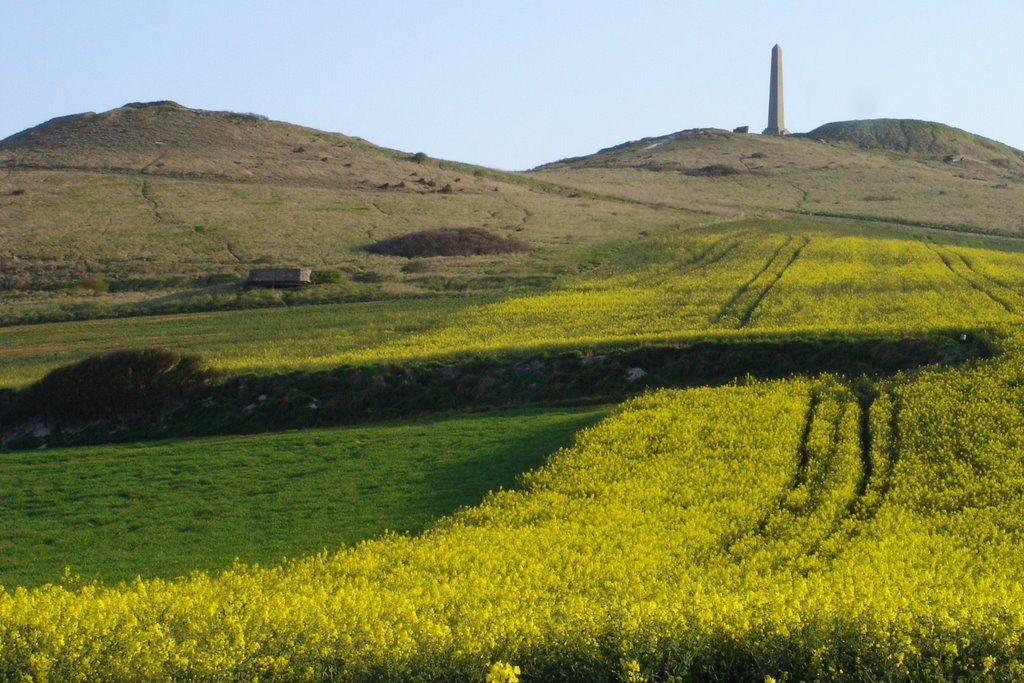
(326, 277)
(96, 283)
(447, 242)
(713, 171)
(111, 386)
(366, 276)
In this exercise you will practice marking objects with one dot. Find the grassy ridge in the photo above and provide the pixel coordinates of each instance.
(984, 189)
(165, 509)
(134, 210)
(117, 259)
(924, 139)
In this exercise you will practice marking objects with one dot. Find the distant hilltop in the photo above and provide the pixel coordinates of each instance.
(924, 140)
(131, 133)
(910, 136)
(166, 138)
(136, 123)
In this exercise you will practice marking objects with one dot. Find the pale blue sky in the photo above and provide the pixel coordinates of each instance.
(516, 84)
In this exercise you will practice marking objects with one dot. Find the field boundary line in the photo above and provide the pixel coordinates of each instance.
(930, 226)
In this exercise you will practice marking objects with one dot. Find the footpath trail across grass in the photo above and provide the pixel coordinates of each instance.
(166, 509)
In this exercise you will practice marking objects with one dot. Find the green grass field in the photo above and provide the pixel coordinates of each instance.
(168, 508)
(30, 350)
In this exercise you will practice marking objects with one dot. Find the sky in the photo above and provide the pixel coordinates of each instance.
(514, 84)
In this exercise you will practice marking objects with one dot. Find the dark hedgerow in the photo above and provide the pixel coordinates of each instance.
(112, 386)
(713, 171)
(447, 242)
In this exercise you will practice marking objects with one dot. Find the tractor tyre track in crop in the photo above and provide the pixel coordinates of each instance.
(731, 309)
(749, 312)
(951, 264)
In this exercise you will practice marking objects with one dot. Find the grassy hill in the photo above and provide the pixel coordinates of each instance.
(878, 170)
(922, 139)
(157, 207)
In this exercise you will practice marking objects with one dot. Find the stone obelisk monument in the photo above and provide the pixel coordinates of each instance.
(776, 126)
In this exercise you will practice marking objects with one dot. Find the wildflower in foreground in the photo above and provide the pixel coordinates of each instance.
(503, 672)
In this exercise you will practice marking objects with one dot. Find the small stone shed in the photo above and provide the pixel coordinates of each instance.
(278, 277)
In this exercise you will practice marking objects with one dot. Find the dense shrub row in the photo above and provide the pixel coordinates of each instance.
(113, 386)
(141, 387)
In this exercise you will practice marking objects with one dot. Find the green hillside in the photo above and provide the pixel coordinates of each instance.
(980, 188)
(157, 207)
(923, 139)
(755, 278)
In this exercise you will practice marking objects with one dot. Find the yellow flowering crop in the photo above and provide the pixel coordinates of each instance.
(739, 283)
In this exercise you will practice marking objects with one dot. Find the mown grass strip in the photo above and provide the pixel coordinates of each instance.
(167, 508)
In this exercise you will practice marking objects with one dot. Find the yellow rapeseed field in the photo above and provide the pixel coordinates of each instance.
(727, 283)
